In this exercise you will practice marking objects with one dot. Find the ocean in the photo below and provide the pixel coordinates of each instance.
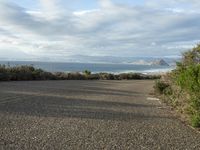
(94, 68)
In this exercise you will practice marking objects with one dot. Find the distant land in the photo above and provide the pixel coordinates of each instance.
(96, 64)
(162, 61)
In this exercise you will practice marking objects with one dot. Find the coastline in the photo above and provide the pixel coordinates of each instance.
(94, 68)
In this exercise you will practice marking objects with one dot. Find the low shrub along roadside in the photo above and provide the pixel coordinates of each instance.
(19, 73)
(182, 90)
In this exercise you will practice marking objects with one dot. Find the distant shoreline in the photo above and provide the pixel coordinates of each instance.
(93, 67)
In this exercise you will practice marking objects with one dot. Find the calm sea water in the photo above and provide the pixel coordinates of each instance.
(95, 68)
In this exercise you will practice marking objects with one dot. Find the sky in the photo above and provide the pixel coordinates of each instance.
(57, 29)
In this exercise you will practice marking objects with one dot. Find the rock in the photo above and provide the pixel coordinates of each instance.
(160, 62)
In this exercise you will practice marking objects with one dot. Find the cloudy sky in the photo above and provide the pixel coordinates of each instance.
(57, 29)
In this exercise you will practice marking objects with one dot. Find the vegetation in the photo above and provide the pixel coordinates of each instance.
(87, 72)
(181, 88)
(24, 73)
(161, 87)
(19, 73)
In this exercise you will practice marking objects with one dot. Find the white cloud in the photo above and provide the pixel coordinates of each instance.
(106, 3)
(154, 28)
(49, 4)
(84, 12)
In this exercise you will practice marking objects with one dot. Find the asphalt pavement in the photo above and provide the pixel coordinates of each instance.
(89, 115)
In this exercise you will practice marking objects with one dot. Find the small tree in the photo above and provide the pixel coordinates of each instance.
(87, 72)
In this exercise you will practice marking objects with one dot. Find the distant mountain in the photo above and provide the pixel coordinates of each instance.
(160, 62)
(165, 61)
(123, 60)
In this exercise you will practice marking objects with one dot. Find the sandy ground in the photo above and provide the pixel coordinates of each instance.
(88, 115)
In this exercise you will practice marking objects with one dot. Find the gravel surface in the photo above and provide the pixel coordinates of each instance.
(88, 115)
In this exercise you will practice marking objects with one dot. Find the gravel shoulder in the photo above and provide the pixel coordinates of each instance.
(88, 115)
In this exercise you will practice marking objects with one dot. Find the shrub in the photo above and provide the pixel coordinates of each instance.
(106, 76)
(93, 77)
(185, 77)
(195, 120)
(161, 87)
(87, 72)
(189, 80)
(129, 76)
(18, 73)
(61, 75)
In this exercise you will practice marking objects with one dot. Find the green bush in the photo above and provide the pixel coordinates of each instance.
(87, 72)
(189, 80)
(195, 120)
(161, 87)
(185, 77)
